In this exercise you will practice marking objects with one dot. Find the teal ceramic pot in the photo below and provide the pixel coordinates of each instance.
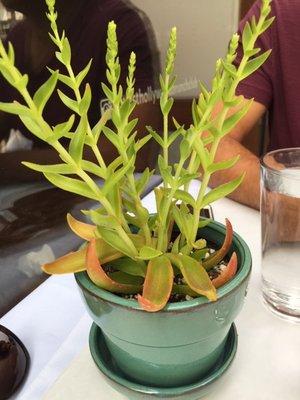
(179, 344)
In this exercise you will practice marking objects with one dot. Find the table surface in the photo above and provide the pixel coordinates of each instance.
(52, 318)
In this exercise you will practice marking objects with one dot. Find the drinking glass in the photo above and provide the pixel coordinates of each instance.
(280, 225)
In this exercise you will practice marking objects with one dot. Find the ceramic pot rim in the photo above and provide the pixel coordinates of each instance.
(243, 273)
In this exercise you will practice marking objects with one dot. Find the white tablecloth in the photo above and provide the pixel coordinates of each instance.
(52, 319)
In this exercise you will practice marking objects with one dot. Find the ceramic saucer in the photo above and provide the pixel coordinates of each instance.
(133, 390)
(14, 363)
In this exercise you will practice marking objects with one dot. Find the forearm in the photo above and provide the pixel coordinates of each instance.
(248, 192)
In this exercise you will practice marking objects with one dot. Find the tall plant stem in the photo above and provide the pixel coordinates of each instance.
(130, 175)
(166, 125)
(78, 96)
(162, 230)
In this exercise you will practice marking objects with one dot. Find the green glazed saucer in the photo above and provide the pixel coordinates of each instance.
(134, 390)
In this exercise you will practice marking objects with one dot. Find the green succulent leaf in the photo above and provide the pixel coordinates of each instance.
(66, 52)
(156, 136)
(64, 169)
(11, 53)
(166, 106)
(267, 23)
(126, 279)
(82, 74)
(165, 171)
(231, 121)
(185, 197)
(118, 241)
(15, 108)
(199, 255)
(78, 139)
(71, 104)
(143, 181)
(176, 245)
(222, 191)
(255, 63)
(85, 102)
(231, 69)
(130, 266)
(62, 130)
(247, 36)
(202, 152)
(140, 143)
(93, 169)
(63, 78)
(106, 221)
(108, 93)
(252, 52)
(98, 128)
(117, 177)
(219, 166)
(111, 136)
(147, 253)
(184, 290)
(44, 93)
(71, 185)
(173, 136)
(194, 274)
(33, 127)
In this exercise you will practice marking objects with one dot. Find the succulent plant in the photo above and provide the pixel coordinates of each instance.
(129, 251)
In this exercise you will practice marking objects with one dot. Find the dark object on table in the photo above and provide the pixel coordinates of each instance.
(14, 363)
(207, 212)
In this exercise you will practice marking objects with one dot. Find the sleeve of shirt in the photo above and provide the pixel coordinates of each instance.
(258, 85)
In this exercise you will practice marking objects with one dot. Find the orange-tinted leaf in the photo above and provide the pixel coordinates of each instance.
(100, 278)
(218, 255)
(75, 261)
(195, 275)
(227, 272)
(70, 263)
(158, 284)
(81, 229)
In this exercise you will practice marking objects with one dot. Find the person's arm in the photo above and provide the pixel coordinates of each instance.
(230, 146)
(258, 86)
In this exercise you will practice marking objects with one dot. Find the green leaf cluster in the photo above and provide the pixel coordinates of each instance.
(119, 197)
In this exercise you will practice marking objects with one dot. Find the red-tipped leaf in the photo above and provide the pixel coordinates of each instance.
(81, 229)
(227, 272)
(158, 284)
(218, 255)
(99, 276)
(75, 261)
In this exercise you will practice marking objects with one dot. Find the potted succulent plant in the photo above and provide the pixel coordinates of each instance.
(164, 288)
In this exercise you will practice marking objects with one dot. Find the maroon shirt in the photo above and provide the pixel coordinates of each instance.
(277, 84)
(87, 36)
